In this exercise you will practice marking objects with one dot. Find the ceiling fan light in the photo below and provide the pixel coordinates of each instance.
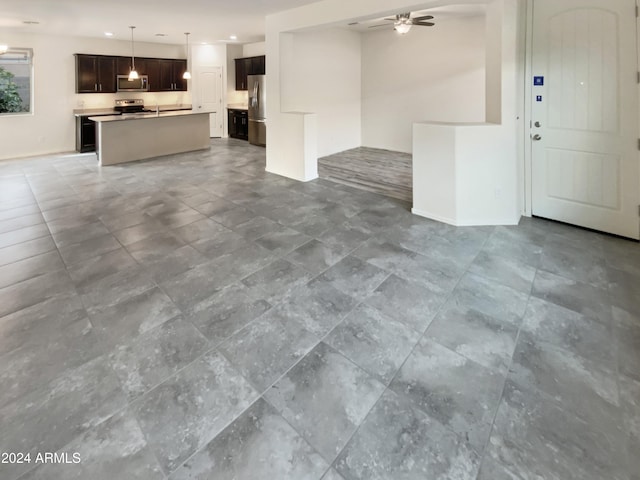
(402, 27)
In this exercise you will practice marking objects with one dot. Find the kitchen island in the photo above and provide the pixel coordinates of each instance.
(138, 136)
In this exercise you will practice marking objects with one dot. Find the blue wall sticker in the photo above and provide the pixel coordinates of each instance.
(538, 81)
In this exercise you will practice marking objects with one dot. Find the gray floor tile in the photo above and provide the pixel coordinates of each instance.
(214, 207)
(516, 243)
(48, 419)
(88, 249)
(277, 279)
(627, 333)
(534, 436)
(325, 397)
(317, 306)
(457, 392)
(589, 387)
(220, 244)
(27, 249)
(354, 277)
(624, 288)
(233, 217)
(30, 267)
(283, 241)
(512, 273)
(493, 470)
(267, 348)
(373, 341)
(187, 411)
(154, 248)
(314, 256)
(399, 441)
(35, 290)
(22, 221)
(332, 475)
(140, 231)
(174, 263)
(114, 449)
(561, 257)
(257, 227)
(258, 444)
(570, 330)
(584, 298)
(40, 321)
(79, 234)
(152, 357)
(476, 336)
(101, 266)
(490, 298)
(344, 238)
(411, 303)
(200, 230)
(105, 292)
(225, 312)
(23, 235)
(11, 213)
(124, 321)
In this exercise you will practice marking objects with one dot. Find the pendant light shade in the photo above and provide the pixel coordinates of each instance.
(187, 75)
(133, 74)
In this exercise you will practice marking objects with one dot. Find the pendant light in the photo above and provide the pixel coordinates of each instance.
(133, 74)
(187, 75)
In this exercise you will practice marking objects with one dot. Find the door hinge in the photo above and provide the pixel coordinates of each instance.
(637, 11)
(639, 144)
(638, 77)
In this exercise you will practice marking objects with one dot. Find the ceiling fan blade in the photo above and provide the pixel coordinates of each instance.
(424, 24)
(381, 25)
(426, 17)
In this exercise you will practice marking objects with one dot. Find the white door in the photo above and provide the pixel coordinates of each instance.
(585, 115)
(209, 98)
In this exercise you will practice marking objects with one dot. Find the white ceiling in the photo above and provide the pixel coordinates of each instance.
(207, 20)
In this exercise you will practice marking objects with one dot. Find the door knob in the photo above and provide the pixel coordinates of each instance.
(536, 137)
(537, 124)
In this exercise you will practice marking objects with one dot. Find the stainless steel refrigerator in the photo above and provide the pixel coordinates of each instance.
(257, 109)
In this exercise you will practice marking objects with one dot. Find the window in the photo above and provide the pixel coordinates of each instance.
(16, 67)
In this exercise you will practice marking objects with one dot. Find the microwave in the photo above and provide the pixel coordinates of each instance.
(140, 84)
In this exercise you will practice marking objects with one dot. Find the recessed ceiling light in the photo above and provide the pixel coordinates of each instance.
(233, 37)
(205, 43)
(161, 34)
(109, 34)
(30, 22)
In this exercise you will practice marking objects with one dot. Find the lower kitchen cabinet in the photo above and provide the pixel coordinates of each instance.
(238, 124)
(85, 135)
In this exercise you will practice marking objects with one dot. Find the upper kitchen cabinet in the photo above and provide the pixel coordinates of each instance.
(169, 75)
(95, 74)
(248, 66)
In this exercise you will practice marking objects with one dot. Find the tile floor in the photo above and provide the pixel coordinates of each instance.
(194, 317)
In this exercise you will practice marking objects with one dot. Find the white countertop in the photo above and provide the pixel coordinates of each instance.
(144, 116)
(237, 106)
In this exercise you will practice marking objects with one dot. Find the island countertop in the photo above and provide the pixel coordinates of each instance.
(144, 115)
(88, 112)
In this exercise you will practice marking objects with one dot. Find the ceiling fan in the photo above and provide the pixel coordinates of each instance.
(403, 22)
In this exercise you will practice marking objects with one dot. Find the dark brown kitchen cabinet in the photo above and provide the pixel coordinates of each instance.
(95, 74)
(248, 66)
(169, 76)
(85, 135)
(238, 124)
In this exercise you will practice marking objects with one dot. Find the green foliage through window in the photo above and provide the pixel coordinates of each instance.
(16, 82)
(10, 101)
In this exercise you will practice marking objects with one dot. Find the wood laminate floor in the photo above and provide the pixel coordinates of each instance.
(385, 172)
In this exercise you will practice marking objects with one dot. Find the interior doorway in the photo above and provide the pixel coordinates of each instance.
(584, 114)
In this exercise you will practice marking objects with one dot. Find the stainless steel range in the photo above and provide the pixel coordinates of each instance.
(130, 105)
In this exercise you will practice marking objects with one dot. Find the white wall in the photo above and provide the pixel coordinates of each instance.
(253, 49)
(51, 128)
(435, 74)
(324, 77)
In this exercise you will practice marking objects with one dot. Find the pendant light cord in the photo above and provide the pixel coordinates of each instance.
(133, 61)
